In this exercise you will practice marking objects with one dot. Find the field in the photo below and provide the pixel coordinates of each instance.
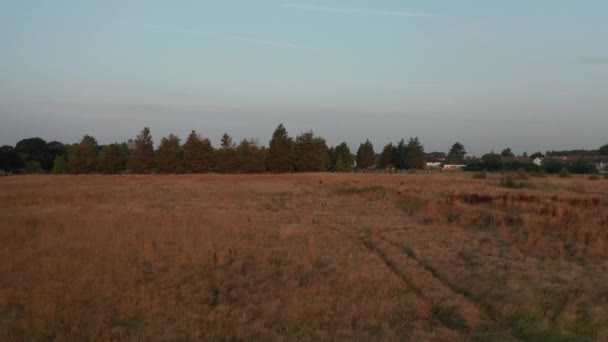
(303, 257)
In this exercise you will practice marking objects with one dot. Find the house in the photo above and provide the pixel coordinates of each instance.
(433, 165)
(538, 161)
(452, 167)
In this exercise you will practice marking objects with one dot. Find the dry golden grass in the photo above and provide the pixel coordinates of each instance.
(308, 256)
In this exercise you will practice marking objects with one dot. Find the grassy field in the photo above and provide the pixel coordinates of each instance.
(303, 257)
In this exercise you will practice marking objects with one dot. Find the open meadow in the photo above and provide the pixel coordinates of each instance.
(303, 257)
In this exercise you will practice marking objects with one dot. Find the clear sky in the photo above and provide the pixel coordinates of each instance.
(528, 74)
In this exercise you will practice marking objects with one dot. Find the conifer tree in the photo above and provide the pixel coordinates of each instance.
(141, 153)
(280, 151)
(366, 157)
(310, 153)
(169, 155)
(198, 154)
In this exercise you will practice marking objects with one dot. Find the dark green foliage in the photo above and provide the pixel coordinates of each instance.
(344, 159)
(198, 154)
(536, 155)
(400, 155)
(491, 161)
(564, 173)
(310, 153)
(141, 153)
(280, 151)
(603, 151)
(415, 157)
(456, 154)
(82, 156)
(113, 158)
(366, 157)
(225, 157)
(35, 149)
(169, 155)
(553, 166)
(9, 159)
(251, 158)
(581, 167)
(60, 165)
(386, 158)
(32, 166)
(507, 153)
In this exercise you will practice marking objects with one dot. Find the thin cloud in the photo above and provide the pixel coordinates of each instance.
(244, 39)
(357, 11)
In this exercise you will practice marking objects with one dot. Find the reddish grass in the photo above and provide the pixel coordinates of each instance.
(307, 256)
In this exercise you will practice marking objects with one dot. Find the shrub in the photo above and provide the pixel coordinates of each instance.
(522, 174)
(539, 173)
(508, 182)
(564, 173)
(32, 166)
(480, 175)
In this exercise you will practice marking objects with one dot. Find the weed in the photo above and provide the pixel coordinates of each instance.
(480, 175)
(410, 205)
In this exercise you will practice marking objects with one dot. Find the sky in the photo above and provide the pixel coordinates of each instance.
(529, 75)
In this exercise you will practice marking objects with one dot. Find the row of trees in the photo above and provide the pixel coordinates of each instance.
(305, 153)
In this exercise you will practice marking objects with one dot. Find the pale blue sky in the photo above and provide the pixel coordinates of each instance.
(532, 75)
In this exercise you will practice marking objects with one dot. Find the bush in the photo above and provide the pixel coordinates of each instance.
(539, 173)
(508, 182)
(564, 173)
(480, 175)
(522, 174)
(32, 166)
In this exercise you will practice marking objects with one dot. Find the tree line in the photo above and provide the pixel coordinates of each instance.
(304, 153)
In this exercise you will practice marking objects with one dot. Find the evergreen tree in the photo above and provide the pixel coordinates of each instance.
(198, 154)
(113, 158)
(400, 155)
(366, 157)
(251, 158)
(344, 159)
(59, 165)
(386, 157)
(225, 157)
(507, 153)
(141, 153)
(456, 154)
(82, 156)
(169, 155)
(603, 151)
(280, 151)
(415, 157)
(310, 153)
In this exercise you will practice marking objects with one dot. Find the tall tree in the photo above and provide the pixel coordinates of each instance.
(415, 157)
(198, 154)
(507, 153)
(366, 156)
(386, 157)
(310, 153)
(225, 157)
(35, 149)
(492, 161)
(9, 159)
(400, 155)
(280, 151)
(169, 155)
(250, 157)
(456, 154)
(141, 153)
(113, 158)
(82, 156)
(344, 159)
(60, 165)
(603, 151)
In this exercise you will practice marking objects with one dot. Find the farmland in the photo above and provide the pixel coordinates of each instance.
(303, 257)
